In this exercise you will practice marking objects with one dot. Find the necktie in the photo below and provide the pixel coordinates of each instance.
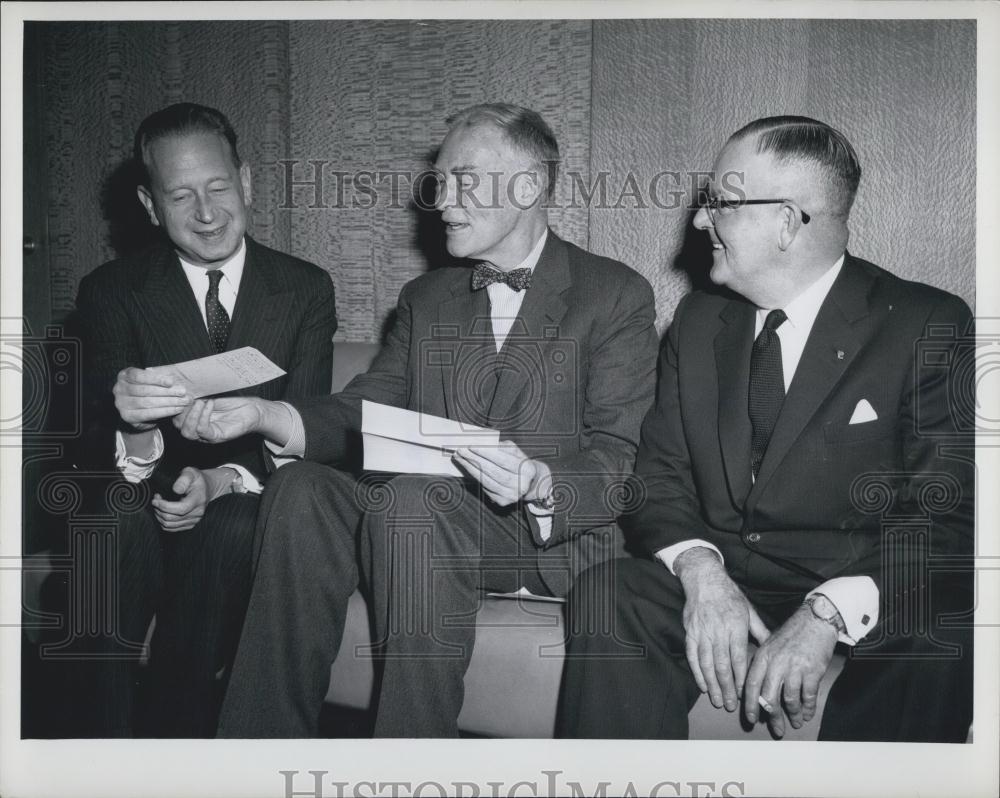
(215, 314)
(483, 275)
(767, 385)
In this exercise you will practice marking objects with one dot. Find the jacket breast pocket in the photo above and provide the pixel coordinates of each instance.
(882, 428)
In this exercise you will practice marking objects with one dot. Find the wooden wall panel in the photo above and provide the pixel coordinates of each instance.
(667, 93)
(625, 97)
(375, 96)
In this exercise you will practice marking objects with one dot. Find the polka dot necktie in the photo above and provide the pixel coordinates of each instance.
(767, 386)
(215, 314)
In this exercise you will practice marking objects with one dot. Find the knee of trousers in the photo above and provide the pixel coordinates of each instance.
(417, 497)
(615, 587)
(302, 477)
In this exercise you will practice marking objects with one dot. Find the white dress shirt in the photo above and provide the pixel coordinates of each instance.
(855, 597)
(505, 304)
(136, 469)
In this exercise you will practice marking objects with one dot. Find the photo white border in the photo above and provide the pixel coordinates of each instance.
(39, 768)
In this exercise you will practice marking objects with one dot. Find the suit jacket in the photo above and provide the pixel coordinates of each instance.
(825, 487)
(140, 311)
(570, 386)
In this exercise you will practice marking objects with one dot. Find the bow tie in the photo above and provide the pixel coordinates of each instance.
(484, 275)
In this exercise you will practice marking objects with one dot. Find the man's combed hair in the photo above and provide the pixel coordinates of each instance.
(799, 138)
(178, 120)
(524, 129)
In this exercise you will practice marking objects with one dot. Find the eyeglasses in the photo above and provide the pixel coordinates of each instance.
(717, 206)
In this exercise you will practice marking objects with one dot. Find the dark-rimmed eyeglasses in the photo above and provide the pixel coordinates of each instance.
(717, 205)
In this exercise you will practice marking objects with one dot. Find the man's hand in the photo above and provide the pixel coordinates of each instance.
(717, 620)
(218, 420)
(198, 487)
(787, 668)
(142, 396)
(506, 473)
(227, 418)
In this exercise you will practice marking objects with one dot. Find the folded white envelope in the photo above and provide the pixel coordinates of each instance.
(863, 412)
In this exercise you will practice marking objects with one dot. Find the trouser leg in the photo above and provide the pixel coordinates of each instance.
(305, 571)
(626, 673)
(207, 577)
(110, 597)
(429, 554)
(913, 680)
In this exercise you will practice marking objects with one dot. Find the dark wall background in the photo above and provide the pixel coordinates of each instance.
(624, 98)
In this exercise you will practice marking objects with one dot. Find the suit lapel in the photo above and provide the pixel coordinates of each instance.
(536, 325)
(169, 305)
(261, 303)
(463, 345)
(834, 341)
(732, 361)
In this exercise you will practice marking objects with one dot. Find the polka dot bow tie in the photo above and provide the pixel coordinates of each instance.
(483, 275)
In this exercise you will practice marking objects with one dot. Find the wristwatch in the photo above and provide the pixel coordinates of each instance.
(546, 502)
(824, 609)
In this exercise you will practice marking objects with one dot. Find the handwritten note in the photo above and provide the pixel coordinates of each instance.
(225, 372)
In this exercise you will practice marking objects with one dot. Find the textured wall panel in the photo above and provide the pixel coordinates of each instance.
(374, 96)
(101, 79)
(626, 98)
(903, 92)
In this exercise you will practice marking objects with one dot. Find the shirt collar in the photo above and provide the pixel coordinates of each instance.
(531, 261)
(802, 311)
(232, 269)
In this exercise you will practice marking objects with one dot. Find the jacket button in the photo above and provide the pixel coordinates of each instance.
(753, 537)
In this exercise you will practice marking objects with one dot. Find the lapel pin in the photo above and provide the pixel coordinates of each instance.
(840, 354)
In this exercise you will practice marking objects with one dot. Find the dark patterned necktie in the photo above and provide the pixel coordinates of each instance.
(215, 314)
(483, 275)
(767, 386)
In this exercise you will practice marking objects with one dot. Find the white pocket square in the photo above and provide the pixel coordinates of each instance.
(863, 413)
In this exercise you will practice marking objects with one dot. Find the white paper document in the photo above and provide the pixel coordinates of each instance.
(405, 442)
(225, 372)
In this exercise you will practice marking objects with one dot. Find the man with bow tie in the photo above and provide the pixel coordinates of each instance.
(809, 479)
(550, 345)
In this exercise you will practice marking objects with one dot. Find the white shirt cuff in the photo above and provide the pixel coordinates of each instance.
(296, 446)
(544, 519)
(250, 482)
(856, 599)
(136, 469)
(668, 555)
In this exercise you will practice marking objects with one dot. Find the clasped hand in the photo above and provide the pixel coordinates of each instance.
(786, 668)
(196, 488)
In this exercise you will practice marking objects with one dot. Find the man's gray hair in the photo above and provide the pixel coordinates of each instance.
(523, 129)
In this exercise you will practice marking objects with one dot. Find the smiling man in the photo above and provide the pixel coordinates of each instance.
(550, 345)
(808, 479)
(206, 288)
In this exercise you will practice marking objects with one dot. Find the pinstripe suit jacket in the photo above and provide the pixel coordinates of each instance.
(140, 311)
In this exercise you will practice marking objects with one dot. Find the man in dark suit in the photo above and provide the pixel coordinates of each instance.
(808, 477)
(207, 288)
(549, 344)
